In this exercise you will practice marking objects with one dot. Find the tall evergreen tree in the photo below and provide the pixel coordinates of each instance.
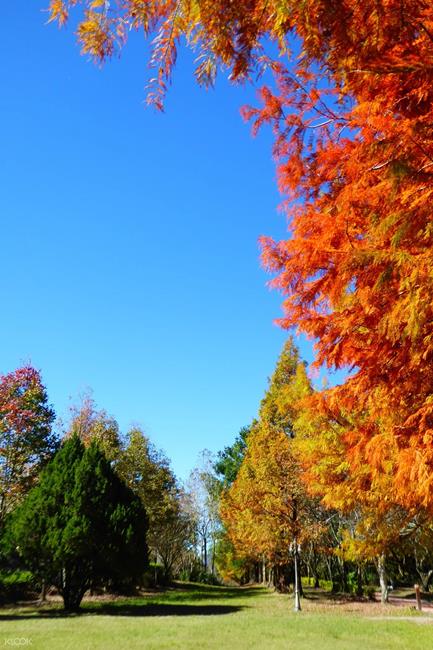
(80, 524)
(230, 459)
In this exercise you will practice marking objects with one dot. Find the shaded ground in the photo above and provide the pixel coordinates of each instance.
(191, 599)
(148, 609)
(183, 599)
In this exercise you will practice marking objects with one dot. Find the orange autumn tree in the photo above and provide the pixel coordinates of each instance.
(267, 511)
(260, 511)
(352, 113)
(372, 523)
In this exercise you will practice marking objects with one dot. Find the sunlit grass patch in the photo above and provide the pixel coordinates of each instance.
(193, 616)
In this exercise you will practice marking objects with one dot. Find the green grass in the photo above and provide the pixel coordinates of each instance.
(194, 616)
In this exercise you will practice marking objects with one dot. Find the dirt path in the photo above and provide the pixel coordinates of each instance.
(400, 601)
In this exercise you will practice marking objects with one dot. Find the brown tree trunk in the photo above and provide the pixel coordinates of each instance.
(43, 593)
(271, 577)
(359, 590)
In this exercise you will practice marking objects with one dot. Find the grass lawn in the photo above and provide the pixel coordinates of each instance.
(193, 616)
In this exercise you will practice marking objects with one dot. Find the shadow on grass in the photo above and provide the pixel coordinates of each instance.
(193, 591)
(181, 599)
(125, 609)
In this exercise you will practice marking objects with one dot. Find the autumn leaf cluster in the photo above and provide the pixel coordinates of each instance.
(351, 109)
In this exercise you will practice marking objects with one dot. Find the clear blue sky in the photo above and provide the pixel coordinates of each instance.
(129, 239)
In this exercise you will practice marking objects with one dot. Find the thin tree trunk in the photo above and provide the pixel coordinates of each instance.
(271, 580)
(343, 573)
(43, 593)
(213, 556)
(425, 576)
(359, 590)
(425, 579)
(383, 579)
(297, 603)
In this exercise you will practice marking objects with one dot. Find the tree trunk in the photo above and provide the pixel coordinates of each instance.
(313, 567)
(72, 599)
(343, 573)
(425, 576)
(301, 588)
(359, 590)
(43, 593)
(271, 577)
(383, 579)
(425, 579)
(297, 603)
(73, 586)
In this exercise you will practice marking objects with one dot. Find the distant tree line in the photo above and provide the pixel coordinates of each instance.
(290, 502)
(87, 508)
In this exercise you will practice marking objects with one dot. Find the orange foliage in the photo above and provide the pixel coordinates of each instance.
(260, 511)
(364, 498)
(267, 507)
(353, 119)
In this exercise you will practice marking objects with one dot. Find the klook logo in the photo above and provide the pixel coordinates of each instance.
(18, 641)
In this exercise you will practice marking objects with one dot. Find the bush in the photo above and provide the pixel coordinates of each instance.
(369, 592)
(198, 575)
(17, 585)
(207, 578)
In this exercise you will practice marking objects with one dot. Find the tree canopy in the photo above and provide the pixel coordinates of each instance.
(146, 470)
(27, 441)
(267, 510)
(92, 424)
(350, 105)
(230, 459)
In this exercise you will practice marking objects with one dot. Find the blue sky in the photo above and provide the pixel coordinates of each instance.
(129, 239)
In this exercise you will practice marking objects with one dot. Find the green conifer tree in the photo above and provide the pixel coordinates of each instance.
(80, 524)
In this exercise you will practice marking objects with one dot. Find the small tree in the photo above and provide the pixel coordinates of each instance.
(203, 494)
(80, 524)
(27, 442)
(146, 470)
